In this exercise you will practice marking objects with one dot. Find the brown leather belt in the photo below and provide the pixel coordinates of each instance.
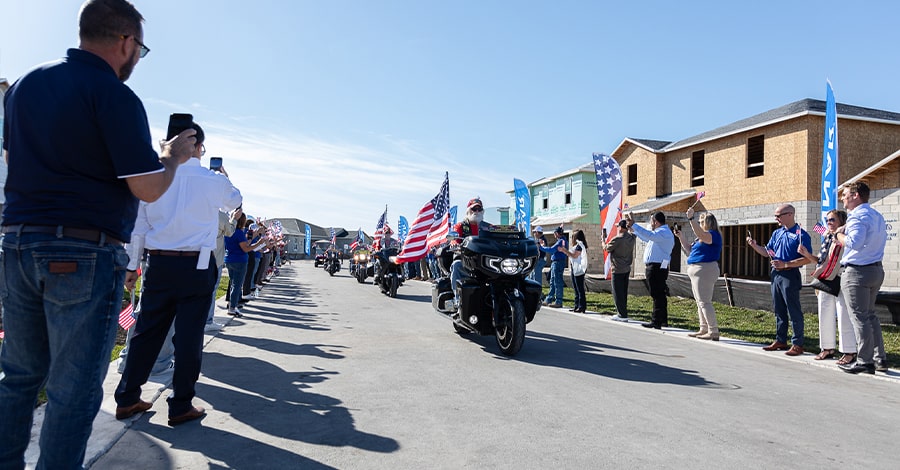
(95, 236)
(172, 253)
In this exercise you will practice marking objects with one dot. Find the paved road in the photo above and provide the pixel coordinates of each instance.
(324, 372)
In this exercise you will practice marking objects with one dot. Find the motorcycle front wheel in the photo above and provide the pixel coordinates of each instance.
(511, 334)
(395, 282)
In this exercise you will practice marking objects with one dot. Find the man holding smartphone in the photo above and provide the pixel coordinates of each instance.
(179, 233)
(78, 145)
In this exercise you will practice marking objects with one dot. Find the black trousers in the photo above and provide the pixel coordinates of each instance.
(174, 291)
(620, 293)
(656, 278)
(249, 278)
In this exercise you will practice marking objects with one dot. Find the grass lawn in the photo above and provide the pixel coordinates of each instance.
(756, 326)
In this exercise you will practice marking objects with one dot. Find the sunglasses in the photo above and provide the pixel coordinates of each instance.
(476, 209)
(832, 219)
(783, 213)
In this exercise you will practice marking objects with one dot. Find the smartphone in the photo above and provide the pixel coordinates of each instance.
(177, 123)
(677, 227)
(215, 163)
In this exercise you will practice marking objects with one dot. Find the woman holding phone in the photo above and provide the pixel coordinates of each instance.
(703, 269)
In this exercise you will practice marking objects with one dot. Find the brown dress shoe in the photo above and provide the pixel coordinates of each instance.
(776, 346)
(795, 351)
(194, 413)
(698, 333)
(125, 412)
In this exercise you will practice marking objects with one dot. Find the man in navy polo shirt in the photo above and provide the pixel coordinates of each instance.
(786, 278)
(80, 156)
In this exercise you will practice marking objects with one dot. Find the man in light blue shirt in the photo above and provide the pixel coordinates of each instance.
(864, 237)
(657, 256)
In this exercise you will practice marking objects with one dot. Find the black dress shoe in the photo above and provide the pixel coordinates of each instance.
(857, 368)
(651, 325)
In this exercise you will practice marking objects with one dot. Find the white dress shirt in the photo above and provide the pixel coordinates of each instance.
(186, 217)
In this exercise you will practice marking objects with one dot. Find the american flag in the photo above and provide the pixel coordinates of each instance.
(333, 237)
(819, 228)
(609, 192)
(700, 195)
(771, 252)
(359, 240)
(126, 317)
(431, 226)
(379, 231)
(799, 232)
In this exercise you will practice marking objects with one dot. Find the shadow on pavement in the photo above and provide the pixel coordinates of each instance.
(272, 401)
(567, 353)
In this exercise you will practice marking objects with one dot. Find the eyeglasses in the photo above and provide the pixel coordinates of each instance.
(777, 216)
(832, 219)
(144, 49)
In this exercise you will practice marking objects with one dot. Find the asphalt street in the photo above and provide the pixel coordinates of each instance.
(324, 372)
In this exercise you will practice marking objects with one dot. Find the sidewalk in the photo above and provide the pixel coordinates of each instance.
(892, 375)
(107, 429)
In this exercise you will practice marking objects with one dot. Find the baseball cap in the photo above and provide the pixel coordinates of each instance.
(474, 202)
(538, 229)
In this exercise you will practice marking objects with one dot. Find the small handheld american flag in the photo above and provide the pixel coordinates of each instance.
(819, 228)
(126, 316)
(771, 252)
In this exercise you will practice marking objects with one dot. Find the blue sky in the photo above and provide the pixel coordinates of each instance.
(329, 110)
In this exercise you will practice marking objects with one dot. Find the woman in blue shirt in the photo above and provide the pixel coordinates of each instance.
(703, 269)
(236, 249)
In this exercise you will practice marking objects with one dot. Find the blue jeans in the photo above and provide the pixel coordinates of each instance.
(786, 304)
(557, 284)
(538, 274)
(61, 299)
(236, 273)
(455, 275)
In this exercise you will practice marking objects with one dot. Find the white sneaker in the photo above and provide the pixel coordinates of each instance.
(616, 317)
(255, 294)
(214, 326)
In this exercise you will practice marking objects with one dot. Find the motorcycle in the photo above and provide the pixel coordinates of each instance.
(388, 275)
(332, 264)
(359, 265)
(495, 295)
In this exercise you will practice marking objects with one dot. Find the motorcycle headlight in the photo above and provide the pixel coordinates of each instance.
(510, 266)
